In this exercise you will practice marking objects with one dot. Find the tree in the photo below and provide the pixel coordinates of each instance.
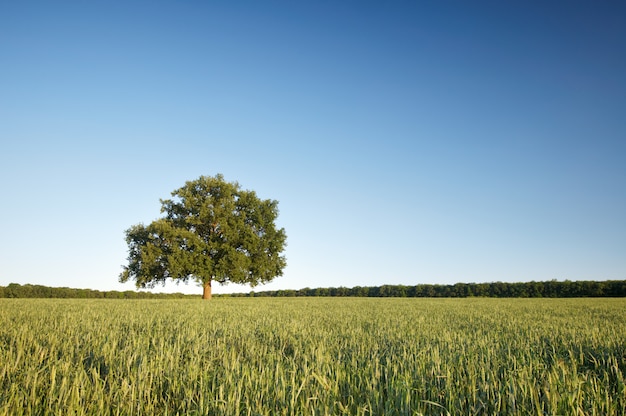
(212, 231)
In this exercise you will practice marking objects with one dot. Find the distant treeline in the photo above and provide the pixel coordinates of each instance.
(14, 290)
(550, 289)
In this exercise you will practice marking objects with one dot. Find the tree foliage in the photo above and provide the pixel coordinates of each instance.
(15, 290)
(212, 231)
(554, 289)
(549, 289)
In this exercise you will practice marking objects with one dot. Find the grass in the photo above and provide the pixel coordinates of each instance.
(313, 356)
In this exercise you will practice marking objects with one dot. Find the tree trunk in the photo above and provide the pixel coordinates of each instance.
(206, 294)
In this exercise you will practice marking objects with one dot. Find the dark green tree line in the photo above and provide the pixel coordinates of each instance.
(549, 289)
(15, 290)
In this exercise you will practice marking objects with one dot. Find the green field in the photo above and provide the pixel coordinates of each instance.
(313, 356)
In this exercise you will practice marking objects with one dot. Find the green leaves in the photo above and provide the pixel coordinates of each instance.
(212, 230)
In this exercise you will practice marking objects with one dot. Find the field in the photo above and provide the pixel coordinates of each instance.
(313, 356)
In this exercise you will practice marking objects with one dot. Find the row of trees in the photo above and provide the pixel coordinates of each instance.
(15, 290)
(550, 289)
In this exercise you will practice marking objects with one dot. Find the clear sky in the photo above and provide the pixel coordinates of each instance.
(407, 142)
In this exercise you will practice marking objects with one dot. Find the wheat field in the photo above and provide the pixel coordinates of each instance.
(313, 356)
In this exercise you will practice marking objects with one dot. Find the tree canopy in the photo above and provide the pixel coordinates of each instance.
(212, 231)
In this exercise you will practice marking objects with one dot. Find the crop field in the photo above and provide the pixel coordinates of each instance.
(313, 356)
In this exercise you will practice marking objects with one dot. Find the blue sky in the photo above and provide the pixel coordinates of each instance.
(407, 142)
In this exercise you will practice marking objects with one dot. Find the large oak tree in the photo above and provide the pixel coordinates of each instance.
(212, 231)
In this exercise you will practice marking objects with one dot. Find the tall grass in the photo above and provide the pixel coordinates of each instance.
(313, 356)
